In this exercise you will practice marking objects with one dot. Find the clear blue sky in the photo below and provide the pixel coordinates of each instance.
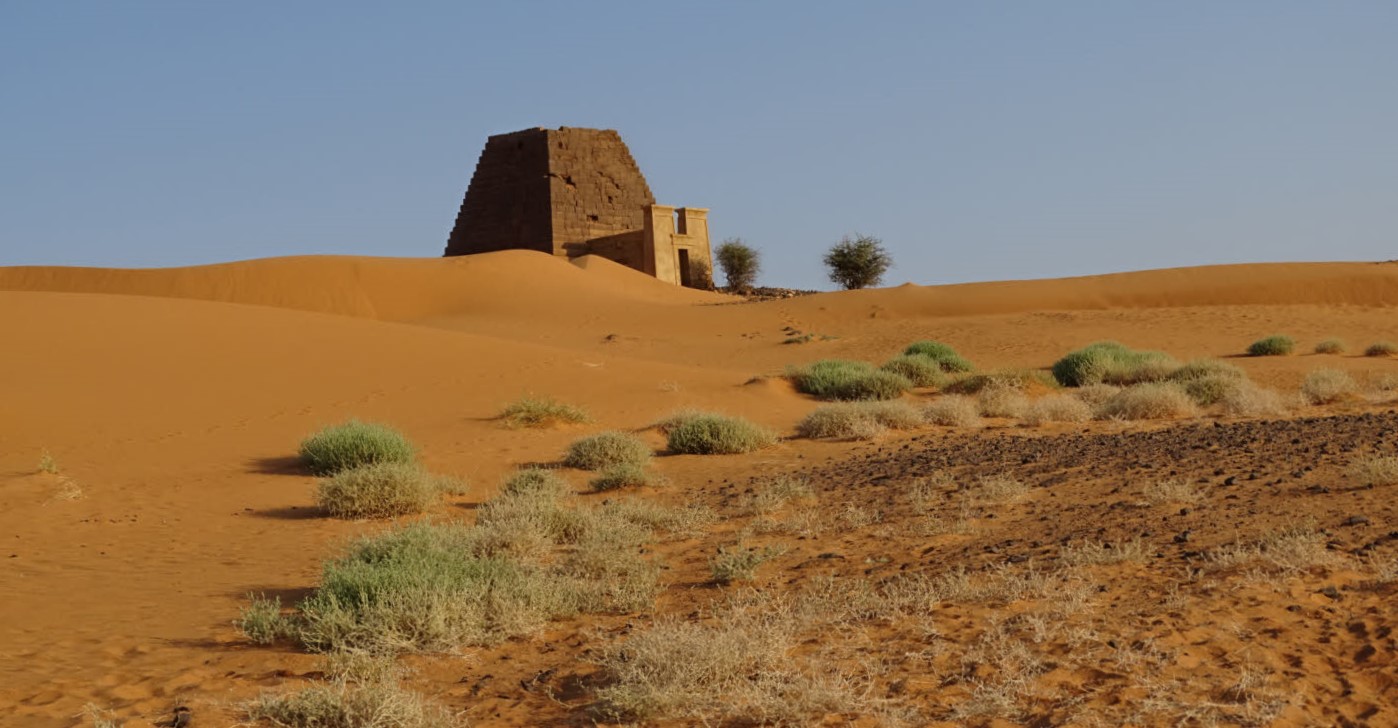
(978, 140)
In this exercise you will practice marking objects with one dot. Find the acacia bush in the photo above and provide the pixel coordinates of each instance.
(740, 264)
(860, 262)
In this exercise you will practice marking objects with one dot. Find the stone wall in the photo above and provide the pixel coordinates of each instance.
(507, 205)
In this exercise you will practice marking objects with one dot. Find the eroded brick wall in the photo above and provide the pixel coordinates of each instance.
(507, 205)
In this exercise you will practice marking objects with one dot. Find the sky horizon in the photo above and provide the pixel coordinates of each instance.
(978, 142)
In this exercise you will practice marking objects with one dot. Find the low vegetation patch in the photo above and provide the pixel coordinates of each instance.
(1149, 401)
(541, 482)
(838, 379)
(859, 419)
(1057, 408)
(1274, 345)
(626, 475)
(1331, 346)
(704, 433)
(381, 490)
(922, 371)
(1110, 362)
(1327, 386)
(1375, 471)
(946, 357)
(352, 444)
(345, 703)
(606, 449)
(1176, 490)
(1021, 379)
(541, 412)
(1382, 348)
(1095, 394)
(1249, 400)
(1002, 400)
(740, 564)
(953, 410)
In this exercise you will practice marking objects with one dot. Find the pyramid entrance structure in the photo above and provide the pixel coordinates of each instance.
(572, 192)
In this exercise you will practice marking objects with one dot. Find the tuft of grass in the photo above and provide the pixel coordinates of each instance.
(1095, 394)
(922, 371)
(1382, 348)
(1002, 400)
(996, 489)
(1291, 548)
(1093, 553)
(380, 490)
(100, 718)
(740, 564)
(47, 464)
(1022, 379)
(346, 703)
(1327, 386)
(1171, 491)
(625, 475)
(772, 495)
(1274, 345)
(606, 449)
(1209, 381)
(843, 380)
(1111, 362)
(262, 621)
(1375, 471)
(1331, 346)
(352, 444)
(541, 482)
(1149, 401)
(541, 412)
(946, 357)
(1249, 400)
(1057, 408)
(953, 410)
(858, 419)
(703, 433)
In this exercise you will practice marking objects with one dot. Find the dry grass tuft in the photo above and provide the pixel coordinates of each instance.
(1382, 349)
(996, 489)
(1002, 400)
(1327, 386)
(1093, 553)
(382, 490)
(625, 475)
(606, 449)
(1331, 346)
(541, 412)
(1375, 471)
(1274, 345)
(1150, 401)
(1057, 408)
(953, 410)
(1292, 548)
(740, 564)
(347, 703)
(1171, 491)
(859, 420)
(1250, 400)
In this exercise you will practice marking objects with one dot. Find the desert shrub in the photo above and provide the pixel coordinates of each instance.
(1326, 386)
(1110, 362)
(953, 410)
(838, 379)
(536, 482)
(740, 263)
(262, 621)
(541, 412)
(858, 263)
(715, 434)
(996, 489)
(945, 356)
(1382, 348)
(1002, 400)
(922, 371)
(1095, 394)
(379, 490)
(1022, 379)
(1331, 346)
(1057, 408)
(1249, 400)
(740, 564)
(1274, 345)
(1149, 401)
(352, 444)
(1209, 381)
(345, 703)
(606, 449)
(858, 419)
(1373, 471)
(625, 475)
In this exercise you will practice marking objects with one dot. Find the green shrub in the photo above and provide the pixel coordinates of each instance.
(1326, 386)
(262, 621)
(1382, 348)
(1275, 345)
(1111, 363)
(858, 263)
(541, 412)
(945, 356)
(352, 444)
(606, 449)
(1331, 346)
(1209, 381)
(379, 490)
(740, 264)
(836, 379)
(625, 475)
(1149, 401)
(922, 371)
(714, 434)
(859, 420)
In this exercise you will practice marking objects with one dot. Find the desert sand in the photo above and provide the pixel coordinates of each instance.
(172, 401)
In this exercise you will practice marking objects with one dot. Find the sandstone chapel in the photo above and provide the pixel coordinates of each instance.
(574, 192)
